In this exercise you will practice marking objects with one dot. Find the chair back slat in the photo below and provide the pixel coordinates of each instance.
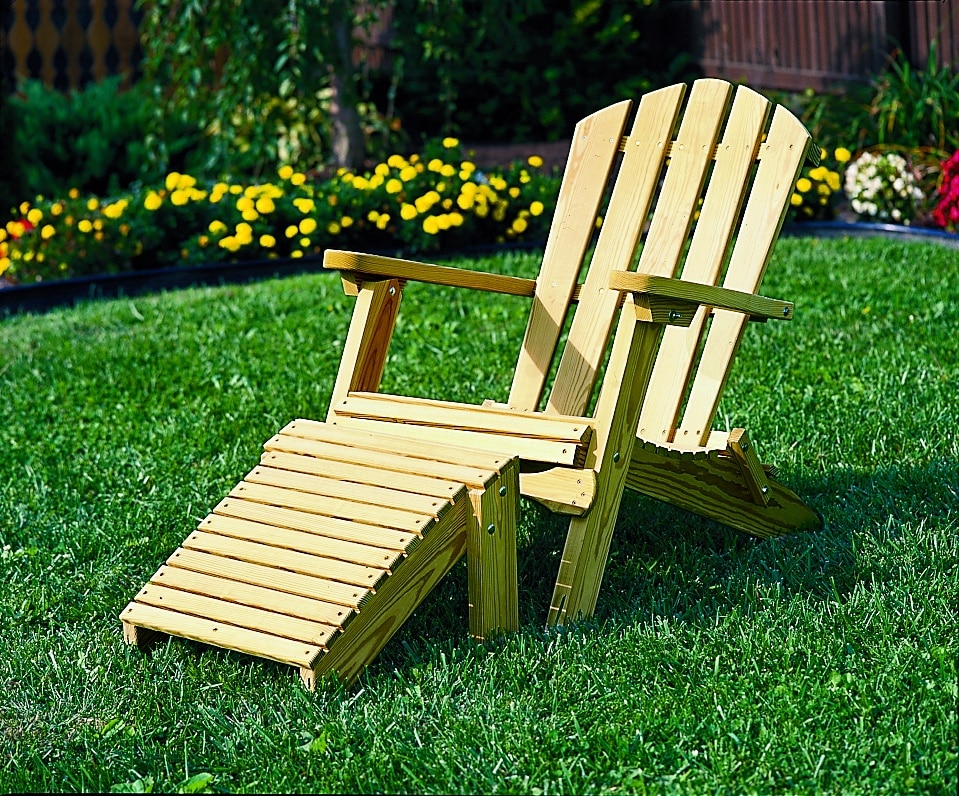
(592, 154)
(780, 161)
(734, 162)
(626, 214)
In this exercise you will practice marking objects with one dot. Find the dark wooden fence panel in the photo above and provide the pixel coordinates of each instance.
(69, 43)
(820, 44)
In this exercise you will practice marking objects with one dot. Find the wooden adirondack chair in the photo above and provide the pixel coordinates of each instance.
(319, 555)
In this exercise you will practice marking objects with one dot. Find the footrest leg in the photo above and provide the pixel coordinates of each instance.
(491, 555)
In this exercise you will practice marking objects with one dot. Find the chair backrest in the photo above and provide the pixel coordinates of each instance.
(706, 203)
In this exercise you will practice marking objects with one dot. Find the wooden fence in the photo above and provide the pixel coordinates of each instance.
(820, 44)
(782, 44)
(69, 43)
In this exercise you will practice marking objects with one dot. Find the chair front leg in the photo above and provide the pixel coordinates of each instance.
(368, 340)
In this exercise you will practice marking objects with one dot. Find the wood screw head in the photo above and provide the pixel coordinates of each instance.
(502, 491)
(674, 315)
(491, 529)
(616, 456)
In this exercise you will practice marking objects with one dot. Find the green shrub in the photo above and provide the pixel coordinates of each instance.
(496, 70)
(91, 139)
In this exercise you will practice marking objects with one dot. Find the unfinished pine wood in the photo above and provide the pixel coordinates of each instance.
(395, 600)
(352, 492)
(741, 448)
(706, 295)
(222, 634)
(728, 183)
(491, 556)
(249, 617)
(362, 516)
(591, 158)
(382, 439)
(309, 608)
(371, 267)
(265, 576)
(368, 340)
(563, 490)
(617, 412)
(318, 566)
(628, 207)
(423, 411)
(530, 449)
(712, 485)
(781, 160)
(352, 475)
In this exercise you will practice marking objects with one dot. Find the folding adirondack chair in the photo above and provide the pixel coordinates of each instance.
(318, 556)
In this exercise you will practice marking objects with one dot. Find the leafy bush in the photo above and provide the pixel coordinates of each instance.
(496, 70)
(418, 203)
(91, 139)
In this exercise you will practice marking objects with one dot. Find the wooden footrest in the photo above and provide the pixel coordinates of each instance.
(317, 557)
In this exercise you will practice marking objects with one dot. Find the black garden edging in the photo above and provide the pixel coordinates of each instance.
(43, 296)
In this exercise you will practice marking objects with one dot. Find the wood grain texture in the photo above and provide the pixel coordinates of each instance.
(618, 239)
(712, 485)
(491, 556)
(592, 153)
(368, 339)
(372, 267)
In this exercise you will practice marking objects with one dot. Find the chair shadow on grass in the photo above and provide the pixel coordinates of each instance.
(665, 562)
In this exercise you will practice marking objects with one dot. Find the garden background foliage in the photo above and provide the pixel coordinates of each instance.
(238, 92)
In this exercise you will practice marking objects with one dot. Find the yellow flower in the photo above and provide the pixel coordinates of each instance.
(179, 197)
(47, 232)
(307, 226)
(842, 154)
(818, 173)
(217, 226)
(382, 169)
(464, 200)
(448, 170)
(244, 233)
(250, 215)
(333, 228)
(285, 172)
(431, 225)
(407, 212)
(267, 241)
(456, 219)
(296, 253)
(519, 225)
(535, 161)
(373, 215)
(394, 185)
(229, 243)
(56, 209)
(34, 216)
(4, 264)
(85, 225)
(396, 161)
(291, 231)
(171, 180)
(98, 224)
(407, 173)
(382, 221)
(298, 178)
(435, 165)
(93, 203)
(832, 180)
(346, 221)
(304, 205)
(204, 241)
(449, 143)
(236, 189)
(305, 243)
(536, 208)
(265, 204)
(73, 193)
(116, 209)
(803, 185)
(514, 192)
(152, 201)
(795, 200)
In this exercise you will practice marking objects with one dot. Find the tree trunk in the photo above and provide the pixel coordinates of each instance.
(348, 143)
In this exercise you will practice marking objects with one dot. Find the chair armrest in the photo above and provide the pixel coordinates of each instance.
(370, 267)
(692, 293)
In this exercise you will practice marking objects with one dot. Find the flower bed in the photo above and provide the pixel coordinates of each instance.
(418, 203)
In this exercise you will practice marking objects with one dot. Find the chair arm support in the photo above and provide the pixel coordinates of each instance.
(706, 295)
(372, 267)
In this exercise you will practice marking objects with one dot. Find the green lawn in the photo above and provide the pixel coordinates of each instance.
(715, 663)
